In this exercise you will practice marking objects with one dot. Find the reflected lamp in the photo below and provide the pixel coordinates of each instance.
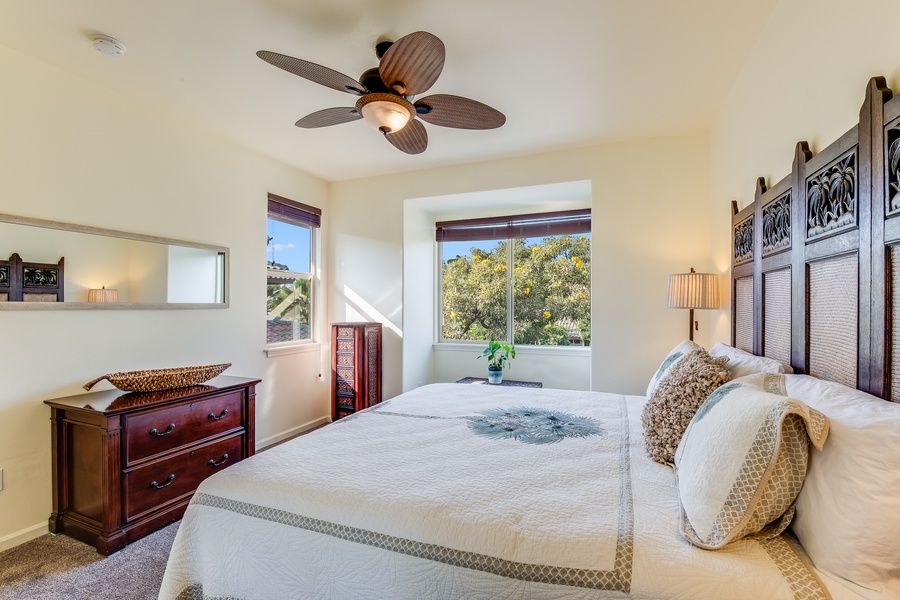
(103, 295)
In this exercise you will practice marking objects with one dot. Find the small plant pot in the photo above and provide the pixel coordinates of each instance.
(495, 375)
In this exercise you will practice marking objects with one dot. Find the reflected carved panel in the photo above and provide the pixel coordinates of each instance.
(777, 225)
(41, 277)
(4, 275)
(831, 198)
(743, 241)
(892, 168)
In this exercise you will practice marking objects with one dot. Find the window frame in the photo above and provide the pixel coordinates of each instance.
(550, 223)
(298, 214)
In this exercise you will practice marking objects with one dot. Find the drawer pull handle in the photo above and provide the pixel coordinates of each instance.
(215, 418)
(171, 478)
(213, 463)
(168, 430)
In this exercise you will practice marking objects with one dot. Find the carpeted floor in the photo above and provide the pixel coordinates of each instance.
(60, 567)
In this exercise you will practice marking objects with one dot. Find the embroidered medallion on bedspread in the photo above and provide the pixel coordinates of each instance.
(532, 425)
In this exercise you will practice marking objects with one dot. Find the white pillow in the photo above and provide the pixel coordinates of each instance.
(677, 353)
(741, 362)
(848, 512)
(742, 460)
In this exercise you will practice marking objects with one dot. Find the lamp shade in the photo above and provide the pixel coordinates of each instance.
(693, 290)
(103, 295)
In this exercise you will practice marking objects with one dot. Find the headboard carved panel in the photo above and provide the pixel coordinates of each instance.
(776, 218)
(892, 167)
(743, 241)
(831, 197)
(826, 303)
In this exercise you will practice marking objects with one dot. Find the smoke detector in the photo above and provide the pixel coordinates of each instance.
(107, 45)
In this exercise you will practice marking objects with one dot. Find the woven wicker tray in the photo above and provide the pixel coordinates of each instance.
(160, 379)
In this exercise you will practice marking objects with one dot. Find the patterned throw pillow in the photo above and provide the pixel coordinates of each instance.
(677, 353)
(742, 461)
(676, 398)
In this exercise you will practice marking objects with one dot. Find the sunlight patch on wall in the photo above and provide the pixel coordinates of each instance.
(358, 309)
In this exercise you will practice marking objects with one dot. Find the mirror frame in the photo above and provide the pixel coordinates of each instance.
(73, 228)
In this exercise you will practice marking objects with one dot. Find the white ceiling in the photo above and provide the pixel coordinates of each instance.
(566, 73)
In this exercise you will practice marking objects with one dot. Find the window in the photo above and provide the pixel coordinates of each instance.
(525, 278)
(290, 264)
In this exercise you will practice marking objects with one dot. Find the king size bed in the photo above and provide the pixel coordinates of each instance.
(463, 491)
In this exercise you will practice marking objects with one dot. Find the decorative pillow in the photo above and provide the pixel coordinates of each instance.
(677, 353)
(677, 397)
(742, 461)
(741, 362)
(848, 512)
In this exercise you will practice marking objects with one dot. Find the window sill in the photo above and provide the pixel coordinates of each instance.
(295, 349)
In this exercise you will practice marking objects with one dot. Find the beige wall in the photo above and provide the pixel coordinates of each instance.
(72, 151)
(650, 218)
(804, 80)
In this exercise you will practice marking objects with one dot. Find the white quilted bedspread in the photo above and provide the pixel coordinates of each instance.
(436, 494)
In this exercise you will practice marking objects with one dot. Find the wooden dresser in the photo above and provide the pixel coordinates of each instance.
(355, 367)
(127, 464)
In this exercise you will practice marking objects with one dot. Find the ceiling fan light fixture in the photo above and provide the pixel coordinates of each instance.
(385, 112)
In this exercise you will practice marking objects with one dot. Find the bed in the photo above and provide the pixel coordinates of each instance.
(428, 495)
(459, 491)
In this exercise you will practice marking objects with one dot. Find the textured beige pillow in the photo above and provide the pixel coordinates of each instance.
(676, 398)
(677, 353)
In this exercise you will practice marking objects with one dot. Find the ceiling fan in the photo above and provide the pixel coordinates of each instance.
(406, 68)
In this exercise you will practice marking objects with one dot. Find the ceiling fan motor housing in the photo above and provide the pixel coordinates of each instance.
(371, 80)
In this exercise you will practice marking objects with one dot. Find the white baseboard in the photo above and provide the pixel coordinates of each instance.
(20, 537)
(274, 439)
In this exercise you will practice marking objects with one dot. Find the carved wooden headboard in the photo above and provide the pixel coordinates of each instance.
(816, 257)
(30, 281)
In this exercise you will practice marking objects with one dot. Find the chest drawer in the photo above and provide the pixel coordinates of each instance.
(155, 484)
(154, 432)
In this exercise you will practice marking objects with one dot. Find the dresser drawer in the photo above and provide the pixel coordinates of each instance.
(152, 485)
(154, 432)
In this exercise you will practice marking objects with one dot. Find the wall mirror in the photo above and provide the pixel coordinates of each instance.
(105, 269)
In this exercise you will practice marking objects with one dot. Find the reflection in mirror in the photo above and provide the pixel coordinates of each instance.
(114, 269)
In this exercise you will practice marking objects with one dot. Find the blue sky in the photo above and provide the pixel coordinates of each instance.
(289, 246)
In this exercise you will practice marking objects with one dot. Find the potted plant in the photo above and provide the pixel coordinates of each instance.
(497, 354)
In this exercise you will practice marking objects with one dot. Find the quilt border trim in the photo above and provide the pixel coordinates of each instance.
(804, 583)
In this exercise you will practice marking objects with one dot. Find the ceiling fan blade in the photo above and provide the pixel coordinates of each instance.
(412, 139)
(447, 110)
(413, 63)
(313, 72)
(329, 116)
